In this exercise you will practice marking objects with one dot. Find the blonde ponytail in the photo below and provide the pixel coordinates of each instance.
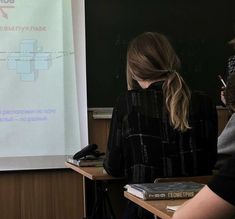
(177, 96)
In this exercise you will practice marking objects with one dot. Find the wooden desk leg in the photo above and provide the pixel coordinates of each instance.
(102, 207)
(84, 196)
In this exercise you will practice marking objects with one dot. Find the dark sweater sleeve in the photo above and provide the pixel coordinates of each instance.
(223, 184)
(113, 163)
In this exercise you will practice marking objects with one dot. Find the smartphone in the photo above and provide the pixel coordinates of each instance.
(222, 80)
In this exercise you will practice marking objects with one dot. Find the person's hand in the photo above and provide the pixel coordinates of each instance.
(222, 95)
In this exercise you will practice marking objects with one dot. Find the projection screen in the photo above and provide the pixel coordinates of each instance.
(43, 101)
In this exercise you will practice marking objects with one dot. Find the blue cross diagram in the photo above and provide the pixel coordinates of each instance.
(29, 60)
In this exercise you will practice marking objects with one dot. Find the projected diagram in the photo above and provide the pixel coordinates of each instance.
(29, 60)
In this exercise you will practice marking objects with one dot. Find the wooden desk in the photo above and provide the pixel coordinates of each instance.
(157, 207)
(100, 177)
(93, 173)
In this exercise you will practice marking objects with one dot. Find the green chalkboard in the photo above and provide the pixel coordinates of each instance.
(199, 31)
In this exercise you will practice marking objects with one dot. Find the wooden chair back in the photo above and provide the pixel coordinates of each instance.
(198, 179)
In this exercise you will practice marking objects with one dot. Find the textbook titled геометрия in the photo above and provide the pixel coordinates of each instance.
(164, 190)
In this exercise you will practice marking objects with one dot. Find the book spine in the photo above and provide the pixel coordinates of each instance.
(73, 161)
(90, 164)
(171, 195)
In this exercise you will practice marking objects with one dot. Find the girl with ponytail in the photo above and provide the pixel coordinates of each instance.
(159, 62)
(159, 128)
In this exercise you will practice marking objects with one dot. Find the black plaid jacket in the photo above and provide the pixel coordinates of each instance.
(142, 145)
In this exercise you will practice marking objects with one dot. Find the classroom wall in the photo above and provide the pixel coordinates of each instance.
(41, 194)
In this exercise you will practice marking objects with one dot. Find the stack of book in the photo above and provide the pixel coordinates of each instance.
(164, 190)
(87, 161)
